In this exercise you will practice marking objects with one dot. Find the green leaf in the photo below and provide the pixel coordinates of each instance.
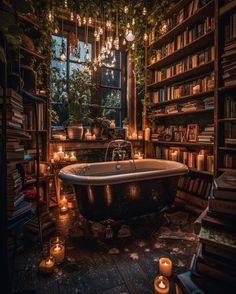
(2, 55)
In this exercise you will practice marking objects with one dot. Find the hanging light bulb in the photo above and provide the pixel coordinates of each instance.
(133, 46)
(84, 20)
(87, 56)
(163, 28)
(95, 68)
(130, 36)
(63, 51)
(65, 4)
(98, 38)
(133, 22)
(56, 30)
(126, 9)
(145, 37)
(124, 42)
(100, 30)
(128, 25)
(95, 33)
(90, 20)
(50, 16)
(144, 11)
(71, 16)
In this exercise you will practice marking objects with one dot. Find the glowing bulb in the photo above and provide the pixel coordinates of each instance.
(66, 4)
(100, 31)
(63, 57)
(95, 33)
(133, 46)
(128, 25)
(87, 57)
(97, 38)
(124, 42)
(50, 16)
(71, 16)
(90, 20)
(79, 59)
(144, 11)
(164, 28)
(130, 36)
(126, 9)
(56, 31)
(95, 68)
(145, 37)
(84, 20)
(103, 56)
(133, 21)
(78, 17)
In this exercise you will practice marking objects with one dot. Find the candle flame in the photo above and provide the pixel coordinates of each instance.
(162, 285)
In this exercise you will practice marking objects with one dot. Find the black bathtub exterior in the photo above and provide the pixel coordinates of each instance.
(125, 200)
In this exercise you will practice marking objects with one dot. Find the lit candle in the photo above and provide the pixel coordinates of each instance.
(57, 251)
(60, 153)
(147, 134)
(112, 124)
(67, 158)
(174, 155)
(161, 285)
(138, 155)
(73, 157)
(94, 137)
(134, 136)
(165, 266)
(46, 266)
(140, 135)
(200, 162)
(56, 156)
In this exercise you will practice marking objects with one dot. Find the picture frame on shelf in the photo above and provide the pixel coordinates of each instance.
(192, 132)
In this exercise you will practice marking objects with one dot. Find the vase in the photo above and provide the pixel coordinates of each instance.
(75, 132)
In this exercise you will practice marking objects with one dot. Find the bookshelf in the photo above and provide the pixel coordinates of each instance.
(181, 73)
(225, 122)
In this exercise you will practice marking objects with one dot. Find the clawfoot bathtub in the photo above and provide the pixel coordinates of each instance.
(122, 189)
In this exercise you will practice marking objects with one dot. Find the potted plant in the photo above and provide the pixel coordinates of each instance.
(99, 125)
(74, 94)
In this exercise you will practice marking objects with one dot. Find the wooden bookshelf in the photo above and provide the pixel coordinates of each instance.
(190, 144)
(185, 98)
(197, 71)
(227, 8)
(31, 52)
(196, 45)
(200, 15)
(160, 116)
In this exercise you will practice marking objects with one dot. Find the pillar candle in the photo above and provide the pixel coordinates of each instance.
(60, 153)
(165, 266)
(56, 156)
(147, 134)
(73, 157)
(57, 251)
(46, 266)
(200, 162)
(161, 285)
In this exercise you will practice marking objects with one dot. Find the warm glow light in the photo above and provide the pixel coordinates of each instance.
(144, 11)
(130, 36)
(145, 37)
(71, 16)
(126, 9)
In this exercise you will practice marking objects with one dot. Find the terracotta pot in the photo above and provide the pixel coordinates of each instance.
(75, 132)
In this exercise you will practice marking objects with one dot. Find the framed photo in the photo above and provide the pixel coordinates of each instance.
(192, 132)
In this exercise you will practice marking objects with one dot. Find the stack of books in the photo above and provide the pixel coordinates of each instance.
(230, 107)
(207, 134)
(230, 134)
(213, 268)
(209, 103)
(192, 106)
(17, 207)
(229, 54)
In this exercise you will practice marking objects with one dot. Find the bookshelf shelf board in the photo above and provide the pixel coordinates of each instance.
(196, 45)
(29, 21)
(201, 69)
(183, 113)
(222, 120)
(224, 10)
(185, 98)
(40, 131)
(227, 149)
(178, 6)
(33, 53)
(204, 172)
(201, 14)
(227, 169)
(191, 144)
(227, 88)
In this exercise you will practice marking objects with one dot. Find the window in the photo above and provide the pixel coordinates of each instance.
(109, 103)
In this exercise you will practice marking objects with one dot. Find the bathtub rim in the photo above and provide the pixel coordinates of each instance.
(178, 170)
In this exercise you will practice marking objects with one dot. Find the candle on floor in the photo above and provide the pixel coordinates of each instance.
(161, 285)
(57, 249)
(165, 266)
(200, 162)
(64, 205)
(46, 266)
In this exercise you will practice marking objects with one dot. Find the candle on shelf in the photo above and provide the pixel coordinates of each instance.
(161, 285)
(56, 156)
(57, 249)
(165, 266)
(134, 136)
(66, 158)
(60, 153)
(62, 137)
(147, 133)
(112, 124)
(73, 157)
(140, 135)
(174, 155)
(93, 137)
(138, 155)
(200, 162)
(87, 134)
(46, 266)
(210, 163)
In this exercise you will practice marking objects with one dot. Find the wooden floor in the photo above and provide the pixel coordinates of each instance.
(121, 265)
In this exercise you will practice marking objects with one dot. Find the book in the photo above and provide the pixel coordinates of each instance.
(224, 187)
(222, 206)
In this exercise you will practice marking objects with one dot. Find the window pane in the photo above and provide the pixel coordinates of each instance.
(57, 42)
(114, 60)
(111, 98)
(113, 114)
(111, 78)
(74, 66)
(82, 52)
(58, 81)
